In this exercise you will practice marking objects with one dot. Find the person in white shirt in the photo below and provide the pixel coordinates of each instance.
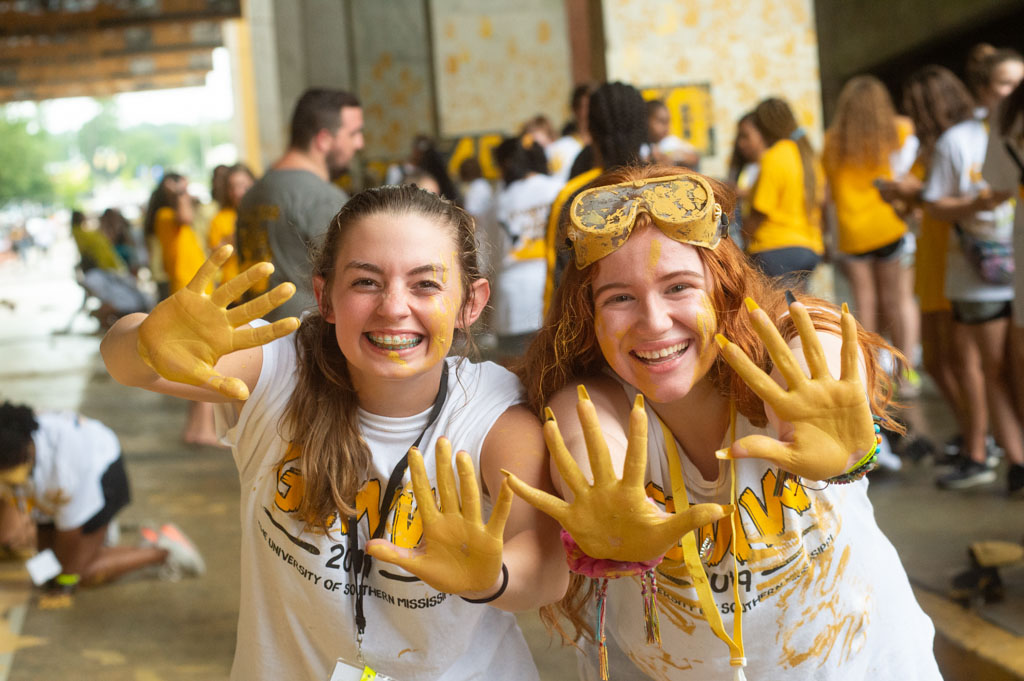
(1004, 173)
(63, 481)
(665, 147)
(955, 191)
(521, 215)
(346, 565)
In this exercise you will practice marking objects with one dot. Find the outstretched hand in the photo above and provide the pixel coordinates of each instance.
(185, 335)
(458, 552)
(612, 518)
(832, 427)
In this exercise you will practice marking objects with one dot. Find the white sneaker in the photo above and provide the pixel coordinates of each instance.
(183, 558)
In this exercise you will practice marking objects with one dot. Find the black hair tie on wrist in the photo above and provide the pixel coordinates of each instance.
(497, 594)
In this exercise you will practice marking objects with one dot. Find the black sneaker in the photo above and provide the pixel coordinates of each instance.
(952, 456)
(1015, 479)
(967, 474)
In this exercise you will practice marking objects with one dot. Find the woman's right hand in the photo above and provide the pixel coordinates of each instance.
(612, 518)
(185, 335)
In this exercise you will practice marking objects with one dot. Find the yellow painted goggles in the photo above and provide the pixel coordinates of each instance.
(682, 206)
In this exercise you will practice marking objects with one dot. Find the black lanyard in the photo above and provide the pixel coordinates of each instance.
(357, 559)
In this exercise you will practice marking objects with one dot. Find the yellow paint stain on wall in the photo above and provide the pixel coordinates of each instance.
(486, 27)
(668, 22)
(451, 65)
(692, 16)
(543, 32)
(144, 674)
(449, 30)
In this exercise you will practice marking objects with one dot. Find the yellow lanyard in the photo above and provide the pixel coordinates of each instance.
(691, 556)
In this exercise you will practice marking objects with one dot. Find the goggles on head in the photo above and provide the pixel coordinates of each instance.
(681, 206)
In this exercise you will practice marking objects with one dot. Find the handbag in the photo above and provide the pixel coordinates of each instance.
(992, 260)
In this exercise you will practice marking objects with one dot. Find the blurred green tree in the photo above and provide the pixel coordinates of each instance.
(23, 159)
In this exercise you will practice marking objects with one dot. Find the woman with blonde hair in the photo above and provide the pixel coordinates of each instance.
(656, 328)
(865, 138)
(320, 418)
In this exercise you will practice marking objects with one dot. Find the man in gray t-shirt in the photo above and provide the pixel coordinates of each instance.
(289, 209)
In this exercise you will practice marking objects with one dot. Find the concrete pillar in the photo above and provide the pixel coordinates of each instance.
(271, 121)
(498, 63)
(744, 52)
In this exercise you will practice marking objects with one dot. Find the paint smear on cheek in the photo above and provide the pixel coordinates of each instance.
(707, 325)
(442, 338)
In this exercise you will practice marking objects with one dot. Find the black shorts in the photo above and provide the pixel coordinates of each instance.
(791, 265)
(969, 312)
(891, 251)
(116, 496)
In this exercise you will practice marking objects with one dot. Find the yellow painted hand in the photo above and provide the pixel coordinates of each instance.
(185, 335)
(458, 552)
(831, 420)
(612, 518)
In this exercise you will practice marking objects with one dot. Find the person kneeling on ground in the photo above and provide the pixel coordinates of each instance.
(64, 475)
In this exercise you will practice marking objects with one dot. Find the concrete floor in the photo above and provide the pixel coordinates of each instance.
(144, 629)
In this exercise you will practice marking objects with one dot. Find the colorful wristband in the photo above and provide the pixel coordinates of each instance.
(601, 568)
(867, 464)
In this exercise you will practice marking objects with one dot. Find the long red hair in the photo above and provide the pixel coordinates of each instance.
(566, 350)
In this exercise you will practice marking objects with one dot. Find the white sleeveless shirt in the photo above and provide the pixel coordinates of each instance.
(297, 607)
(822, 590)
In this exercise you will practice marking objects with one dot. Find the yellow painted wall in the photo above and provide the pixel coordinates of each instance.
(498, 63)
(745, 51)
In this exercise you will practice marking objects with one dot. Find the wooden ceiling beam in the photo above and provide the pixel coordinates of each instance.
(102, 88)
(31, 74)
(111, 42)
(47, 17)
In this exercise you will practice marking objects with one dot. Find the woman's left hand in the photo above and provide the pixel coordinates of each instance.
(832, 427)
(458, 554)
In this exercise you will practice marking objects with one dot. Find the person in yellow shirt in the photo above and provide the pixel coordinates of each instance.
(169, 221)
(861, 145)
(169, 226)
(237, 181)
(783, 230)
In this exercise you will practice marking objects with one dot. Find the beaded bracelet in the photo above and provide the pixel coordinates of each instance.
(865, 465)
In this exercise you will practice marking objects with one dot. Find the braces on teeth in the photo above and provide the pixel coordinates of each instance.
(391, 344)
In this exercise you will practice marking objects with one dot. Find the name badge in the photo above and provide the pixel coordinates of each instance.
(343, 671)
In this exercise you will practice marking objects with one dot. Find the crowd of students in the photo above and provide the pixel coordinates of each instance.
(708, 421)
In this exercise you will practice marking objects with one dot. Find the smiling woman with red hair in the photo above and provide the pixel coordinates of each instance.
(779, 567)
